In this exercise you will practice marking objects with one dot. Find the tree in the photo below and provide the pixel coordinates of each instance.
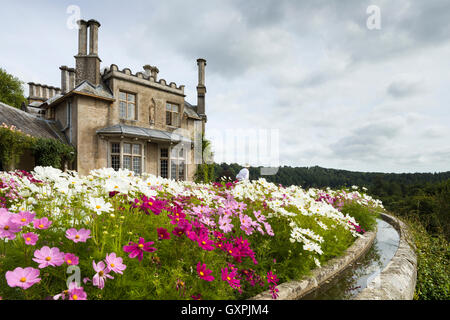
(11, 92)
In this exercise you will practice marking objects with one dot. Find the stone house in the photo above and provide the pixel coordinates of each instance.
(118, 119)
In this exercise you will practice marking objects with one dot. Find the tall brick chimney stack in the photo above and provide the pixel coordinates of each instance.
(201, 89)
(87, 65)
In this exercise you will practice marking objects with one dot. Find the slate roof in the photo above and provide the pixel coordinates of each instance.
(190, 111)
(140, 132)
(101, 90)
(29, 123)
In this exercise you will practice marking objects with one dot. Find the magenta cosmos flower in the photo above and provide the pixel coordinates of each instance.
(30, 238)
(48, 257)
(71, 259)
(205, 243)
(272, 278)
(42, 223)
(203, 272)
(78, 235)
(163, 234)
(114, 263)
(22, 278)
(101, 275)
(137, 249)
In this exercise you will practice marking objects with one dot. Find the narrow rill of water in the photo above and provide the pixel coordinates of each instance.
(356, 278)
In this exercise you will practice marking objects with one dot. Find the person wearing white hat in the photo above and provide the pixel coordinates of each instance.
(244, 174)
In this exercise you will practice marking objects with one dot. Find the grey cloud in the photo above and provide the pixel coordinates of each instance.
(367, 142)
(402, 88)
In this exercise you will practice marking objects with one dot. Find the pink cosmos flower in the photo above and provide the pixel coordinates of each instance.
(78, 235)
(30, 238)
(22, 278)
(268, 229)
(203, 272)
(77, 294)
(102, 273)
(8, 228)
(23, 218)
(115, 263)
(71, 259)
(163, 234)
(48, 257)
(225, 224)
(42, 223)
(74, 293)
(137, 249)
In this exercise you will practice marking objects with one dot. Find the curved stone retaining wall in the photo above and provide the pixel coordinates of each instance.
(398, 279)
(294, 290)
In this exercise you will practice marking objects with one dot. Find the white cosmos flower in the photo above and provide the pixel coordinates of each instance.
(98, 205)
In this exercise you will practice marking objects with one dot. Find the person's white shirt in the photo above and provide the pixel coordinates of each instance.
(243, 174)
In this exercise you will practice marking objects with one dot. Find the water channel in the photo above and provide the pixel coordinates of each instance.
(353, 280)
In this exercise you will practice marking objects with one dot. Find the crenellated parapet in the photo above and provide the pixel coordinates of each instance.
(146, 78)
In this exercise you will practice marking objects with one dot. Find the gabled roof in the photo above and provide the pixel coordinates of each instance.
(29, 123)
(140, 132)
(190, 111)
(86, 88)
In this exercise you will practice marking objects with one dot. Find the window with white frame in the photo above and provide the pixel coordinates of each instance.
(178, 163)
(127, 155)
(127, 106)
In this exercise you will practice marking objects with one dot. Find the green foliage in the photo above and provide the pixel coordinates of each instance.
(51, 152)
(11, 91)
(12, 145)
(47, 152)
(433, 254)
(366, 217)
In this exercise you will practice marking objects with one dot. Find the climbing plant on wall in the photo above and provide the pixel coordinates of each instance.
(13, 143)
(51, 152)
(47, 152)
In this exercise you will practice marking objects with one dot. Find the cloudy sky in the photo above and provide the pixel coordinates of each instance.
(336, 93)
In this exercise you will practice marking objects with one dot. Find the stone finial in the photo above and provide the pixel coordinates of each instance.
(151, 71)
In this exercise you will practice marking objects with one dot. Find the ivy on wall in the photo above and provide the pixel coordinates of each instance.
(47, 152)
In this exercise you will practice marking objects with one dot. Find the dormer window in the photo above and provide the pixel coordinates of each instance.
(172, 114)
(127, 106)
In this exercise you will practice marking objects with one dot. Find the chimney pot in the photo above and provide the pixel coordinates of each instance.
(93, 36)
(82, 37)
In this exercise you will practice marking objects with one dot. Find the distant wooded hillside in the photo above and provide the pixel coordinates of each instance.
(424, 195)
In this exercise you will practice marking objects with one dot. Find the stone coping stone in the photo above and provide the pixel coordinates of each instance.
(397, 281)
(294, 290)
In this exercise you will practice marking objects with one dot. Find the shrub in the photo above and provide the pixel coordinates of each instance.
(433, 255)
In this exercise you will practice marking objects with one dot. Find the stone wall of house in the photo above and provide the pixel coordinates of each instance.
(91, 149)
(151, 103)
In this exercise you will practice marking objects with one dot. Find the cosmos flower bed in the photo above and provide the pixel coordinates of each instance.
(113, 235)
